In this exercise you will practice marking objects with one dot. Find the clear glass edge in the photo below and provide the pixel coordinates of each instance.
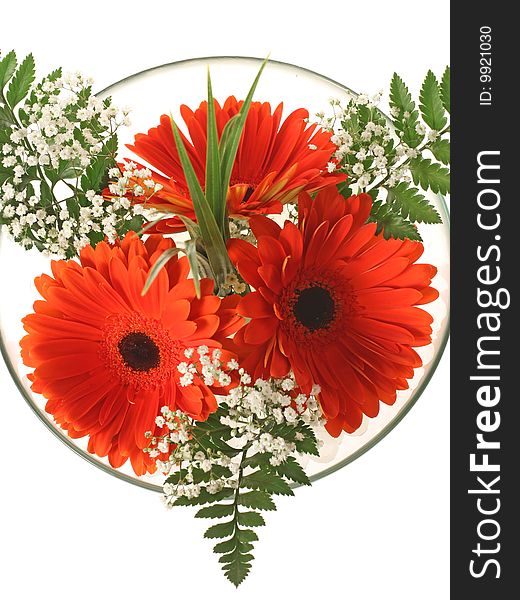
(332, 469)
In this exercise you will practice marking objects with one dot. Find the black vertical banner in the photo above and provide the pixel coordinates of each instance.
(485, 346)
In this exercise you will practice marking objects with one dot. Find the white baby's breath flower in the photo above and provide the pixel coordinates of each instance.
(432, 135)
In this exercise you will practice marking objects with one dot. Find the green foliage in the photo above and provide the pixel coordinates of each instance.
(213, 189)
(210, 232)
(157, 266)
(291, 469)
(95, 176)
(210, 204)
(308, 444)
(191, 253)
(392, 224)
(21, 81)
(445, 89)
(216, 511)
(430, 175)
(401, 206)
(412, 205)
(400, 96)
(238, 510)
(267, 481)
(257, 499)
(441, 150)
(408, 118)
(85, 169)
(7, 68)
(432, 109)
(231, 138)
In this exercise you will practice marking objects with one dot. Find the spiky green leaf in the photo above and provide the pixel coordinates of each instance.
(237, 571)
(257, 499)
(291, 469)
(204, 498)
(6, 119)
(392, 224)
(54, 75)
(441, 150)
(21, 81)
(226, 546)
(250, 519)
(411, 204)
(215, 511)
(430, 175)
(400, 96)
(267, 482)
(211, 234)
(7, 68)
(445, 89)
(309, 444)
(96, 174)
(230, 147)
(247, 535)
(227, 133)
(431, 106)
(236, 555)
(220, 530)
(408, 117)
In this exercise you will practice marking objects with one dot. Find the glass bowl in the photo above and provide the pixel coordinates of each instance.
(162, 90)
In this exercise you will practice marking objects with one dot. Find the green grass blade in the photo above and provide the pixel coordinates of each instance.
(157, 266)
(226, 132)
(191, 227)
(191, 253)
(210, 232)
(149, 225)
(229, 148)
(213, 188)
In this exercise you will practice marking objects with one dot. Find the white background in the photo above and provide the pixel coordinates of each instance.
(378, 528)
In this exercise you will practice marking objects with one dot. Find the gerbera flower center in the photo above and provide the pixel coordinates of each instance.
(314, 308)
(139, 351)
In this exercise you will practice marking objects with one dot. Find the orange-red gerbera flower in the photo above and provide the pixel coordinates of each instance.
(274, 162)
(106, 357)
(334, 303)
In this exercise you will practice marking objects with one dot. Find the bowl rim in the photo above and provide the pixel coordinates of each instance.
(391, 425)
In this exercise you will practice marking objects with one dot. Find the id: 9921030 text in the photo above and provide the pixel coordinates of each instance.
(485, 47)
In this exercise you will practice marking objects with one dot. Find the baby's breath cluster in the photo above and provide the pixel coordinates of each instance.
(132, 181)
(57, 142)
(63, 122)
(254, 408)
(267, 418)
(370, 148)
(367, 148)
(395, 159)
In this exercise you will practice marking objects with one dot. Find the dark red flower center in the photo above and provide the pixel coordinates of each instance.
(314, 308)
(139, 352)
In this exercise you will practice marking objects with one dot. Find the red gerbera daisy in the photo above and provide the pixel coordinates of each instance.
(274, 162)
(334, 303)
(106, 357)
